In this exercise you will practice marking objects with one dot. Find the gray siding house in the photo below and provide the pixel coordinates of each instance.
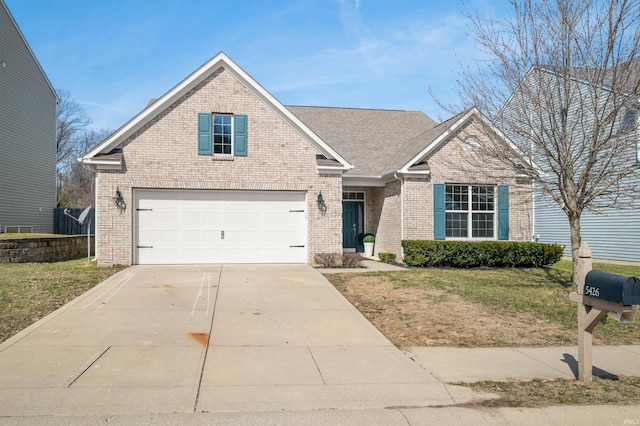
(27, 134)
(612, 231)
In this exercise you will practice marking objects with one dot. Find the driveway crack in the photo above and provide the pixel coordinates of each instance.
(316, 364)
(206, 350)
(88, 365)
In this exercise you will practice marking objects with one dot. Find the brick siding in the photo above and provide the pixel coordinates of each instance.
(163, 155)
(455, 163)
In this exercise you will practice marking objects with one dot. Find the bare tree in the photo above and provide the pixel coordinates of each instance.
(561, 78)
(71, 122)
(76, 186)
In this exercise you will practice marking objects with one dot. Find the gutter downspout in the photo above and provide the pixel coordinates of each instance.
(533, 186)
(533, 212)
(95, 200)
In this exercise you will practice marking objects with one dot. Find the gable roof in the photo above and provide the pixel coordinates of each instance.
(100, 155)
(433, 138)
(26, 44)
(376, 142)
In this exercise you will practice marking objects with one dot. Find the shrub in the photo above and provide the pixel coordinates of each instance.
(339, 260)
(369, 238)
(352, 260)
(464, 254)
(328, 260)
(387, 257)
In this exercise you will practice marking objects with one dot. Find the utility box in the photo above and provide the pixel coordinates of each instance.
(615, 288)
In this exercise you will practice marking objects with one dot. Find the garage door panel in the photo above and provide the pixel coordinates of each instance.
(220, 227)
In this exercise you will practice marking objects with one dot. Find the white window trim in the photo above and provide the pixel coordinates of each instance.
(470, 212)
(213, 135)
(364, 195)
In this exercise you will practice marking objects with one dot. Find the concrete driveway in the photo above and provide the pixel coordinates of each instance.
(210, 338)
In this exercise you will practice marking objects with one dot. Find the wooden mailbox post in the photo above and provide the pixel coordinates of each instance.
(592, 310)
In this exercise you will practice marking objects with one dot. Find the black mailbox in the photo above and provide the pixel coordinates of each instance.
(614, 288)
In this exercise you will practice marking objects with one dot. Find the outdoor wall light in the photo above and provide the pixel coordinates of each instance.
(321, 204)
(119, 200)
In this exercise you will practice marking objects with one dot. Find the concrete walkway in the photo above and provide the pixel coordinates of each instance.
(452, 365)
(368, 265)
(269, 345)
(225, 338)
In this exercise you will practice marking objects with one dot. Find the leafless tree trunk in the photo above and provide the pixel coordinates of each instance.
(76, 186)
(71, 122)
(75, 182)
(561, 79)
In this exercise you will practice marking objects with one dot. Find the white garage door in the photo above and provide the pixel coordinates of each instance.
(181, 227)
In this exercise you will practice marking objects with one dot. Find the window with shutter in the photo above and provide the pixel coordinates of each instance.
(471, 211)
(222, 134)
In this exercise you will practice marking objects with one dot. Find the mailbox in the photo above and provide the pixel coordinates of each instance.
(614, 288)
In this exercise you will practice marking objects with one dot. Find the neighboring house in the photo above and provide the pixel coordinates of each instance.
(218, 171)
(612, 233)
(27, 135)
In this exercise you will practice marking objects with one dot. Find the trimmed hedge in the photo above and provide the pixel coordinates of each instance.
(464, 254)
(387, 257)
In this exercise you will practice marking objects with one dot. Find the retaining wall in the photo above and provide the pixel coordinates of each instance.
(53, 249)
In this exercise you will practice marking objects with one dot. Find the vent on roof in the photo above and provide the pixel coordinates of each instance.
(420, 166)
(321, 160)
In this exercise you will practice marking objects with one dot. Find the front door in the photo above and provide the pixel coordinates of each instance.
(352, 225)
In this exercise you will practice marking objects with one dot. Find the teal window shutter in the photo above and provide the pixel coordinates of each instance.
(503, 212)
(439, 214)
(240, 135)
(204, 133)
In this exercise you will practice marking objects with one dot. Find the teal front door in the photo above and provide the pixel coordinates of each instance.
(352, 225)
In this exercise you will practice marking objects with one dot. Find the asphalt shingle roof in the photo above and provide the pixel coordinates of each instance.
(374, 141)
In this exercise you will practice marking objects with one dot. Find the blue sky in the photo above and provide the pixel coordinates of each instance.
(113, 56)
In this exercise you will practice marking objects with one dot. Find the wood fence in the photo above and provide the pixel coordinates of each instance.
(63, 224)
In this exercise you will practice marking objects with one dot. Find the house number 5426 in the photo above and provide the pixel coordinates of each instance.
(591, 291)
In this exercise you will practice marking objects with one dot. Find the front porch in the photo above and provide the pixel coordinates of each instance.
(375, 210)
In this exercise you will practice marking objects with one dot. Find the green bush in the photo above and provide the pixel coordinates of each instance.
(369, 238)
(387, 257)
(465, 254)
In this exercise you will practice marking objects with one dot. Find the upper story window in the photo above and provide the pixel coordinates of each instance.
(222, 134)
(629, 121)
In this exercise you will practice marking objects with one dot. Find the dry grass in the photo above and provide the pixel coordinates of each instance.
(476, 307)
(493, 307)
(542, 393)
(29, 291)
(27, 235)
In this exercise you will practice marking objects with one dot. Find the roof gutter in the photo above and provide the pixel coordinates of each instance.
(102, 164)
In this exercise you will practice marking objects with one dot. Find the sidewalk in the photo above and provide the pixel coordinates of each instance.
(369, 265)
(453, 365)
(401, 416)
